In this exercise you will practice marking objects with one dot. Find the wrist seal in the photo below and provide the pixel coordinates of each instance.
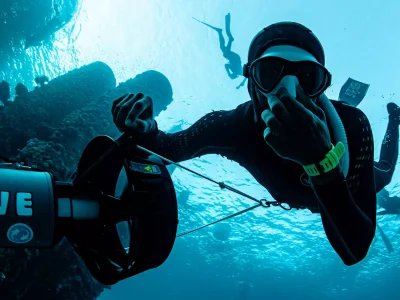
(330, 162)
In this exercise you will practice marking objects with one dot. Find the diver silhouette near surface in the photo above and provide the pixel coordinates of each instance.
(234, 66)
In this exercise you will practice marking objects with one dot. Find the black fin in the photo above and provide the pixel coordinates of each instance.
(353, 92)
(385, 239)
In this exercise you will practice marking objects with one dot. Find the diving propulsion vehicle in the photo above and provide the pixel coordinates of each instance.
(118, 210)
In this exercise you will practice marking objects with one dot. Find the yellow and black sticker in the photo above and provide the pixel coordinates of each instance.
(144, 168)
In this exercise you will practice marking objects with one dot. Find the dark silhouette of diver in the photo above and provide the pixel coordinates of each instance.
(234, 67)
(391, 205)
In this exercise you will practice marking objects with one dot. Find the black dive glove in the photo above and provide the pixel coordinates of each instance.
(296, 128)
(133, 114)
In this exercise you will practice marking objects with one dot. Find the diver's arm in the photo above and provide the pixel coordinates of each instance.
(349, 226)
(209, 135)
(228, 70)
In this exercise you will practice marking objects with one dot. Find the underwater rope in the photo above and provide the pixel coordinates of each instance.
(261, 203)
(121, 142)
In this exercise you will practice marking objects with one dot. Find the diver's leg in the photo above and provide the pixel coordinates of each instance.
(228, 31)
(382, 174)
(390, 146)
(229, 45)
(222, 43)
(228, 27)
(228, 70)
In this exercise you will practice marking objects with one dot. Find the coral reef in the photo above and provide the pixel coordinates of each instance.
(36, 113)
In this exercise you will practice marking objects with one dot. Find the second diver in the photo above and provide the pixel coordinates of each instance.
(234, 66)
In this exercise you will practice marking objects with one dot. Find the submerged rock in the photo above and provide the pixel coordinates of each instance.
(36, 113)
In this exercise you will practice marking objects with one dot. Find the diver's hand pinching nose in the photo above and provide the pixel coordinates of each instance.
(296, 128)
(134, 113)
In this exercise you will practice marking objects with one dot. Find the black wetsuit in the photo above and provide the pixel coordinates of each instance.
(234, 135)
(385, 167)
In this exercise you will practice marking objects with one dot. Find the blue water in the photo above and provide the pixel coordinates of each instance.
(271, 253)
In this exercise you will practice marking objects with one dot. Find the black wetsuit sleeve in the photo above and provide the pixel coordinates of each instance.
(348, 206)
(349, 224)
(214, 133)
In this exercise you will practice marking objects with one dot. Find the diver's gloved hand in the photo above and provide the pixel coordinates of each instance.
(394, 112)
(296, 129)
(133, 114)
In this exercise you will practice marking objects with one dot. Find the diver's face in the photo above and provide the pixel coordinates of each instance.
(295, 63)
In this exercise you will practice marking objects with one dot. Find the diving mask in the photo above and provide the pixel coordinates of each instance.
(289, 66)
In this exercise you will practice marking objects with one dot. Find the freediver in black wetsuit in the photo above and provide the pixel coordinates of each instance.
(289, 136)
(234, 66)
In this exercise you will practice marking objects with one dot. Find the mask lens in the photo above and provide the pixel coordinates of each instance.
(266, 72)
(313, 78)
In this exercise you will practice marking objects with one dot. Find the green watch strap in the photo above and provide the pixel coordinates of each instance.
(330, 162)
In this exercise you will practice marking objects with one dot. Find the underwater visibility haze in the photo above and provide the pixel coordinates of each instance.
(64, 62)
